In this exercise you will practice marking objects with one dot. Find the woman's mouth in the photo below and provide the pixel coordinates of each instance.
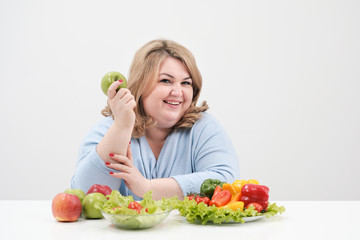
(173, 103)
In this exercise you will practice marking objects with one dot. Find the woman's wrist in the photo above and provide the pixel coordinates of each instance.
(123, 125)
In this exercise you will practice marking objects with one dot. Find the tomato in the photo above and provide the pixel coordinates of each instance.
(257, 206)
(135, 206)
(205, 200)
(190, 197)
(200, 199)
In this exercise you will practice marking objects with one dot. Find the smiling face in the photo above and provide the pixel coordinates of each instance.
(172, 95)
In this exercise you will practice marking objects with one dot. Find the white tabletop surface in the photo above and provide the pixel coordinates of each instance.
(301, 220)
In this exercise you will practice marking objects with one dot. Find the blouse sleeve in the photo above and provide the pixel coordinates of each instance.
(213, 156)
(90, 168)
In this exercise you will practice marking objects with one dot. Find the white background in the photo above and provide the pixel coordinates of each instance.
(282, 77)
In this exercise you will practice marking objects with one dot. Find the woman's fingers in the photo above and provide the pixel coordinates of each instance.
(121, 159)
(124, 165)
(123, 94)
(121, 175)
(112, 89)
(119, 167)
(129, 153)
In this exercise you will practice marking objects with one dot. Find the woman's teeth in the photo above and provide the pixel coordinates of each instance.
(172, 103)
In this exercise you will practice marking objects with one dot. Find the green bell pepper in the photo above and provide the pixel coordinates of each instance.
(208, 186)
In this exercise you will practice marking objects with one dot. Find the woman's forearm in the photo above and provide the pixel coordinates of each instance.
(116, 140)
(165, 187)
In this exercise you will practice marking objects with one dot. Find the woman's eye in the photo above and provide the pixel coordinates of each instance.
(186, 83)
(165, 80)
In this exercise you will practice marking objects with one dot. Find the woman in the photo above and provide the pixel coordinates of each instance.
(154, 137)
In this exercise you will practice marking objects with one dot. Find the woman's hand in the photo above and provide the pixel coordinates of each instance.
(122, 105)
(134, 180)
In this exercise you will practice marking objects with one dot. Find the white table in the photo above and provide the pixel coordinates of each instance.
(301, 220)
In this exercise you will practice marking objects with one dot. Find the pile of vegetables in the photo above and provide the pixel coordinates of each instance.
(220, 202)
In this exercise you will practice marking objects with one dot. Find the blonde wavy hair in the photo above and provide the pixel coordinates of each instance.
(143, 77)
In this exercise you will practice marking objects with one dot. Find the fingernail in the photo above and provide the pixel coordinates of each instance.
(111, 173)
(107, 163)
(120, 80)
(111, 154)
(130, 142)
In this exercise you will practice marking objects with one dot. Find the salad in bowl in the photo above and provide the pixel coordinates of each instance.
(124, 212)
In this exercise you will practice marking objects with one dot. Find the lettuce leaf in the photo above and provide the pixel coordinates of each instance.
(116, 210)
(118, 204)
(202, 213)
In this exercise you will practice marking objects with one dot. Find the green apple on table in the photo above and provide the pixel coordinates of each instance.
(78, 192)
(111, 77)
(91, 205)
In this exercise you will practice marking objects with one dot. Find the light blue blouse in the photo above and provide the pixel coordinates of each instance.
(189, 156)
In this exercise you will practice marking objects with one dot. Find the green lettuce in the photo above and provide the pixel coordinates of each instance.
(202, 213)
(118, 204)
(116, 210)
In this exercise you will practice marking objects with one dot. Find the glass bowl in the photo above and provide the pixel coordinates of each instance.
(136, 221)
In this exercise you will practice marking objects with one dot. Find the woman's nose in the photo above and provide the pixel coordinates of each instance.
(176, 91)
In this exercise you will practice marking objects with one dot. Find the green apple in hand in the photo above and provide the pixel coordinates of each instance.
(111, 77)
(91, 205)
(78, 192)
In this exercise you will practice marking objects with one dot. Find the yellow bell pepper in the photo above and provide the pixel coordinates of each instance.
(238, 184)
(229, 187)
(253, 181)
(234, 206)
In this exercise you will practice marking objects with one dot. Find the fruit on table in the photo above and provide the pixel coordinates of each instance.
(135, 206)
(111, 77)
(257, 206)
(91, 205)
(66, 207)
(78, 192)
(98, 188)
(198, 198)
(254, 193)
(238, 184)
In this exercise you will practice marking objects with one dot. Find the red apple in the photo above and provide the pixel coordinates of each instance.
(105, 190)
(66, 207)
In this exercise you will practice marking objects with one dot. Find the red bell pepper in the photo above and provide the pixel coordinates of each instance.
(221, 199)
(216, 191)
(254, 193)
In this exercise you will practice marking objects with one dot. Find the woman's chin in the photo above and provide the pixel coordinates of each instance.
(167, 123)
